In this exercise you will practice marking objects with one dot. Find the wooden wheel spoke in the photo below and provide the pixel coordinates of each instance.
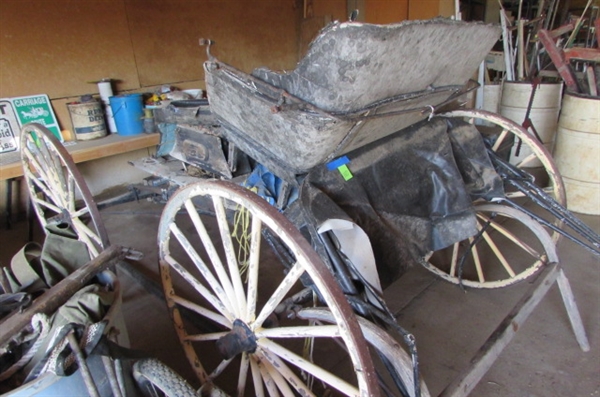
(82, 228)
(85, 235)
(206, 337)
(308, 331)
(71, 195)
(253, 267)
(514, 195)
(476, 260)
(204, 270)
(46, 204)
(454, 259)
(79, 213)
(234, 269)
(267, 377)
(54, 165)
(530, 158)
(288, 282)
(256, 379)
(305, 365)
(499, 140)
(207, 313)
(511, 236)
(243, 374)
(217, 303)
(276, 374)
(498, 254)
(220, 368)
(217, 265)
(286, 373)
(46, 186)
(32, 159)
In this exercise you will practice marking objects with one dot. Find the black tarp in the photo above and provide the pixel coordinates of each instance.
(411, 192)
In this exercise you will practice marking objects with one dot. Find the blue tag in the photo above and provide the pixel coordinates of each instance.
(337, 163)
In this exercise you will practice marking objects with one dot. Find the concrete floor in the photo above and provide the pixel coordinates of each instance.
(449, 324)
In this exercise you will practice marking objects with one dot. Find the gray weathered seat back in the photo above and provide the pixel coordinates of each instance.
(352, 65)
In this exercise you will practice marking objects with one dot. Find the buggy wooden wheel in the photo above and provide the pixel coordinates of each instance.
(59, 195)
(234, 307)
(510, 142)
(509, 248)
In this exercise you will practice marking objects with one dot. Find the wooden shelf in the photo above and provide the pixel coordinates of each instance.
(110, 145)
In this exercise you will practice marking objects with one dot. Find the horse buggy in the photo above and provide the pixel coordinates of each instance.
(302, 195)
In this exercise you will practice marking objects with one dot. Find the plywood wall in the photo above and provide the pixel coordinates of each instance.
(425, 9)
(58, 47)
(386, 11)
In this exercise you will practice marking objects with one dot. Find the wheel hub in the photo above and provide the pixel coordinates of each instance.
(239, 340)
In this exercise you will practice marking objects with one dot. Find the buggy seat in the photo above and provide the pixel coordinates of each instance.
(357, 83)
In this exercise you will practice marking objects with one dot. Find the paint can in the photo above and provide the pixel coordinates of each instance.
(87, 118)
(128, 112)
(544, 112)
(577, 153)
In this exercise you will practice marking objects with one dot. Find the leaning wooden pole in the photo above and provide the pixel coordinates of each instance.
(55, 297)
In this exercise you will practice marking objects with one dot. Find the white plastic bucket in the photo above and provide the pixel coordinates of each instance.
(543, 114)
(491, 97)
(577, 153)
(87, 119)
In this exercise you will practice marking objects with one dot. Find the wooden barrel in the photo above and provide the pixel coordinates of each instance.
(544, 112)
(577, 152)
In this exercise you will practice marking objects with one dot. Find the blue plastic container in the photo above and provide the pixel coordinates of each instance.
(128, 112)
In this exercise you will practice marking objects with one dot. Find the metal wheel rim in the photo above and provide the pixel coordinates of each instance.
(307, 260)
(48, 166)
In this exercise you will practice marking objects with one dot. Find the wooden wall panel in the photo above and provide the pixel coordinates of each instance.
(247, 34)
(386, 11)
(336, 8)
(426, 9)
(56, 47)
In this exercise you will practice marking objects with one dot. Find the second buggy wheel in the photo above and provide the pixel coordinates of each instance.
(234, 306)
(479, 262)
(502, 134)
(58, 192)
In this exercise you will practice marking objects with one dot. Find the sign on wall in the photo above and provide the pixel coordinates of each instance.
(16, 112)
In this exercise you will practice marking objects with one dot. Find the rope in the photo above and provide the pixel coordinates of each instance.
(241, 225)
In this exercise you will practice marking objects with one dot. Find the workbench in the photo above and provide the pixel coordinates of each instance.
(110, 145)
(11, 166)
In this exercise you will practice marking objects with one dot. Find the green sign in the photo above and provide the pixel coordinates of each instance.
(36, 109)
